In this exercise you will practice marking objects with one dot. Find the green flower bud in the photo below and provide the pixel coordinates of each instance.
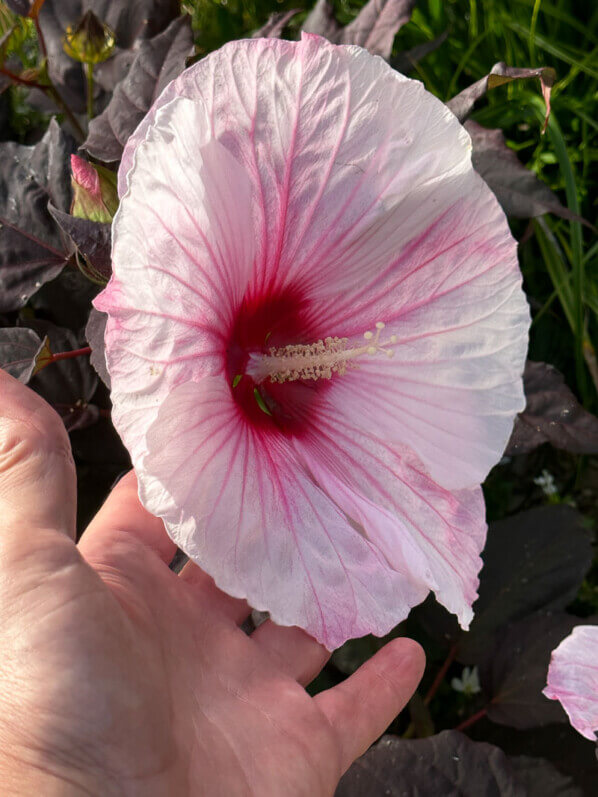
(89, 41)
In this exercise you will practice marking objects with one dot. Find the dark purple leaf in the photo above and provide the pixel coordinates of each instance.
(541, 779)
(322, 21)
(350, 656)
(377, 24)
(21, 7)
(33, 249)
(405, 61)
(93, 242)
(518, 190)
(158, 61)
(66, 300)
(130, 22)
(533, 560)
(438, 623)
(559, 743)
(64, 384)
(78, 416)
(421, 717)
(462, 104)
(374, 28)
(515, 675)
(446, 764)
(94, 332)
(19, 349)
(100, 446)
(552, 415)
(112, 71)
(275, 25)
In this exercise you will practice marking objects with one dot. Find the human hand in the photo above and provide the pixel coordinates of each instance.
(119, 677)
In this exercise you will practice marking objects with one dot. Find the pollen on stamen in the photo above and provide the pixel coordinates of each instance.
(319, 360)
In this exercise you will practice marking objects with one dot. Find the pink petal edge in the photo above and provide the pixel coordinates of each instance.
(573, 679)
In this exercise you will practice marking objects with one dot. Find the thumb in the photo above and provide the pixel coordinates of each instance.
(37, 472)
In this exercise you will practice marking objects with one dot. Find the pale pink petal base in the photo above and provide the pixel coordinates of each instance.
(573, 679)
(243, 509)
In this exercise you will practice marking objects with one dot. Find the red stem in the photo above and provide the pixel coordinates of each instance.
(66, 355)
(50, 90)
(472, 720)
(440, 674)
(32, 84)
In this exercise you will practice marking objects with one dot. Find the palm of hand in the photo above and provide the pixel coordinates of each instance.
(140, 681)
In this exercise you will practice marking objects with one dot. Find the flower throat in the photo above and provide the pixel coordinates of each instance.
(319, 360)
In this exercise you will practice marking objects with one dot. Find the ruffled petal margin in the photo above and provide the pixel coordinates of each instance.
(183, 252)
(244, 509)
(573, 679)
(430, 535)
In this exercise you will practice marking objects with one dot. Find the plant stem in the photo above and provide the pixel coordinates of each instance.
(67, 355)
(21, 81)
(89, 75)
(440, 674)
(52, 92)
(40, 37)
(472, 720)
(36, 8)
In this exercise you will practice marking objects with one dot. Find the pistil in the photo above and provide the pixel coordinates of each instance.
(319, 360)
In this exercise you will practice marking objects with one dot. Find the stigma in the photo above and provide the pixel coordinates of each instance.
(319, 360)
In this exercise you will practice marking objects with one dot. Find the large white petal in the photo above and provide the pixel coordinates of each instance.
(237, 502)
(428, 534)
(183, 251)
(573, 679)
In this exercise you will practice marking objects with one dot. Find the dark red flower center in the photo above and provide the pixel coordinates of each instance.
(262, 323)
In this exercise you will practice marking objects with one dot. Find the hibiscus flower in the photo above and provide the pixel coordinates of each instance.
(573, 679)
(316, 334)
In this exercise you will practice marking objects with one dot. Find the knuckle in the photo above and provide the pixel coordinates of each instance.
(24, 439)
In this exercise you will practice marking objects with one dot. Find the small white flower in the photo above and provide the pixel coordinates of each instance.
(468, 683)
(547, 483)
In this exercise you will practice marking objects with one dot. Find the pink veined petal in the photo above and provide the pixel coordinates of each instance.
(168, 94)
(573, 679)
(430, 535)
(242, 508)
(379, 216)
(182, 253)
(453, 299)
(310, 122)
(366, 215)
